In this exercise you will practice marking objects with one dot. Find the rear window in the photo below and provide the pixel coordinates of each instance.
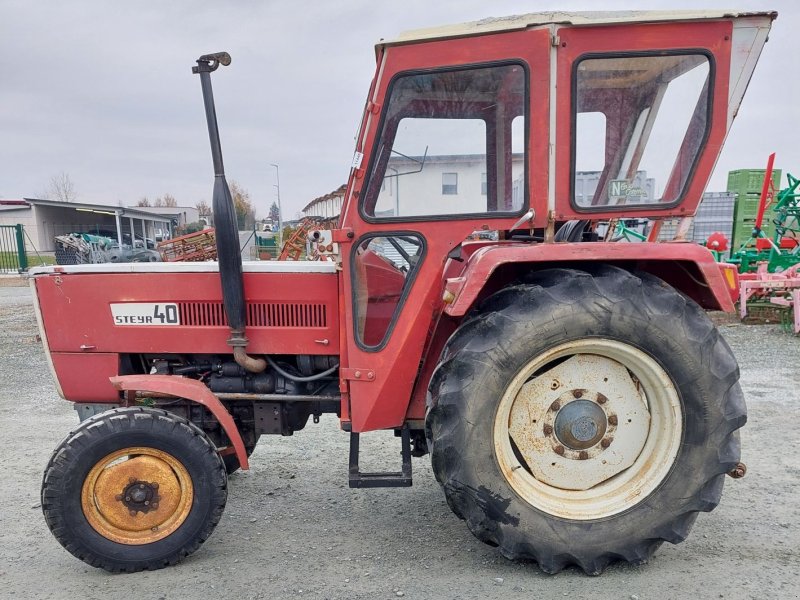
(640, 123)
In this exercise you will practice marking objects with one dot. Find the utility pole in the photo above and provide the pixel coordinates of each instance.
(280, 210)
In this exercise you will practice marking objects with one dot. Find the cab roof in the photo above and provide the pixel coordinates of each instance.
(519, 22)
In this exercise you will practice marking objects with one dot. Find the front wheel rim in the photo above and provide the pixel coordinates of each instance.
(137, 495)
(627, 427)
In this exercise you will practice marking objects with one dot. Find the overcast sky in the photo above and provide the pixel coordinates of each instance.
(104, 92)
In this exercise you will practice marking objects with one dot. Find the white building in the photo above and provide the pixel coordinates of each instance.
(442, 185)
(327, 206)
(179, 216)
(45, 219)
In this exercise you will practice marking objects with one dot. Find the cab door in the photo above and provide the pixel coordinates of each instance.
(455, 145)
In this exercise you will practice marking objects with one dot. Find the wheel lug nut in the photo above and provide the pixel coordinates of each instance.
(127, 498)
(147, 502)
(155, 505)
(548, 430)
(559, 450)
(118, 497)
(131, 479)
(554, 385)
(577, 393)
(555, 405)
(583, 455)
(141, 486)
(601, 399)
(606, 442)
(132, 513)
(154, 485)
(612, 420)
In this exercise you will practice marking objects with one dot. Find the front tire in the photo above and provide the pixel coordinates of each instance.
(582, 418)
(134, 489)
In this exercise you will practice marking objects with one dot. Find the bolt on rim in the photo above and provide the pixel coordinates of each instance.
(588, 429)
(137, 495)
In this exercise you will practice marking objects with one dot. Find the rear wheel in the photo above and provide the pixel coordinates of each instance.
(134, 489)
(584, 418)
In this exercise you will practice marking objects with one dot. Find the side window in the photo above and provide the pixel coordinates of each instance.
(451, 143)
(384, 268)
(640, 124)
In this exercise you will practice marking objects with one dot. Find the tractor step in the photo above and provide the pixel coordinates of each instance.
(384, 479)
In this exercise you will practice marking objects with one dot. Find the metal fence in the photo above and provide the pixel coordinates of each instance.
(12, 249)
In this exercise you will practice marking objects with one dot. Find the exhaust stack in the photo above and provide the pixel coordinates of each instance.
(227, 233)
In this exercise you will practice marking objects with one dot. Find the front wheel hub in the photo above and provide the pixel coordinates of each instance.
(140, 496)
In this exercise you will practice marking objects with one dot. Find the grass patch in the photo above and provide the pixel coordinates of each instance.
(8, 259)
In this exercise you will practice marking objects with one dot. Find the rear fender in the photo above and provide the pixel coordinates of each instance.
(190, 389)
(688, 267)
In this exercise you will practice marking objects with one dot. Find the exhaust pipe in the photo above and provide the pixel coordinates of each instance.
(227, 232)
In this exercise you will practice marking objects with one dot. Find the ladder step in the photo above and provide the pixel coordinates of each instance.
(357, 479)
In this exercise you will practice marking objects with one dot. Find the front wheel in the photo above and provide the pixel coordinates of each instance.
(134, 489)
(582, 418)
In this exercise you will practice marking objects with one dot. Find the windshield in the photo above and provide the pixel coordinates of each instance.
(452, 143)
(640, 123)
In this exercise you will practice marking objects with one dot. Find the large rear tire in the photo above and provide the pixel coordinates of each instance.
(134, 489)
(582, 418)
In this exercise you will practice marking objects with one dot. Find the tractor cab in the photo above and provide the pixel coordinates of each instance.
(572, 116)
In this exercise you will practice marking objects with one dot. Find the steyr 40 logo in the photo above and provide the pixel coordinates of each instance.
(145, 313)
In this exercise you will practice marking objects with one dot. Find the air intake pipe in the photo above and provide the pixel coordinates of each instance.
(227, 232)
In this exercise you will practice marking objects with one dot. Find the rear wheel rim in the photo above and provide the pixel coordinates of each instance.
(137, 495)
(631, 448)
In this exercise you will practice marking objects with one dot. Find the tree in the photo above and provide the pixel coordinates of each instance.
(169, 200)
(203, 208)
(143, 201)
(274, 213)
(61, 188)
(159, 202)
(245, 214)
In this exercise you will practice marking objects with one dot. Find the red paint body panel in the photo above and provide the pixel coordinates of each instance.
(84, 375)
(76, 312)
(191, 389)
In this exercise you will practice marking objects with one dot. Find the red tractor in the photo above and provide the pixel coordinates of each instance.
(578, 405)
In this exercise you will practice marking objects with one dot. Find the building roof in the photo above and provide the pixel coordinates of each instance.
(87, 207)
(338, 192)
(164, 211)
(519, 22)
(13, 205)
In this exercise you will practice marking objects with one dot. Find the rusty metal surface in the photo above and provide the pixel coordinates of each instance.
(137, 495)
(561, 461)
(739, 471)
(190, 389)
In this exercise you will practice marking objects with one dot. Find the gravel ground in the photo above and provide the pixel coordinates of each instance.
(293, 529)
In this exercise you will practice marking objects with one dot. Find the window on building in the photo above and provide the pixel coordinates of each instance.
(449, 184)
